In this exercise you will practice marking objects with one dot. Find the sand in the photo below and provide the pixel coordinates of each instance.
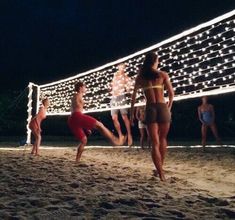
(117, 184)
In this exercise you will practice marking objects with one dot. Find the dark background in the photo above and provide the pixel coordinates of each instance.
(43, 41)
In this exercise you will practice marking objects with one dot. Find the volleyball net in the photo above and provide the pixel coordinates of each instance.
(200, 61)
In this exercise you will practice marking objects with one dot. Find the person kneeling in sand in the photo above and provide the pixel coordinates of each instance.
(81, 124)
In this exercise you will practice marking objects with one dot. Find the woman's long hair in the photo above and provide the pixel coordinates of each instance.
(147, 71)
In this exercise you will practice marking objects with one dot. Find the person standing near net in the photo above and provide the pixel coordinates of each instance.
(140, 116)
(81, 124)
(206, 115)
(157, 114)
(121, 84)
(35, 126)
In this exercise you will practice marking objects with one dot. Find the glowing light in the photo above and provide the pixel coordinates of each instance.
(202, 56)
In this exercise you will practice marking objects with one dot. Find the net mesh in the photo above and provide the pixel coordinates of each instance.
(200, 61)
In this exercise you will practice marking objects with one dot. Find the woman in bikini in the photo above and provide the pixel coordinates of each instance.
(35, 126)
(206, 115)
(157, 115)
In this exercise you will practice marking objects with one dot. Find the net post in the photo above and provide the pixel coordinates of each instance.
(38, 98)
(29, 110)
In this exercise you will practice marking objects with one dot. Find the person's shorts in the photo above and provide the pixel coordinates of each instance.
(119, 101)
(157, 113)
(33, 125)
(141, 124)
(79, 123)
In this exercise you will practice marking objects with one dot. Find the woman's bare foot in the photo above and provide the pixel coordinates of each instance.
(162, 177)
(155, 173)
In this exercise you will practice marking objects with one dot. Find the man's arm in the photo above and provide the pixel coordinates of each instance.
(110, 86)
(137, 113)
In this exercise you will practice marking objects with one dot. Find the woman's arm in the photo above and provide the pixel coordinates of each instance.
(133, 98)
(38, 115)
(169, 88)
(199, 114)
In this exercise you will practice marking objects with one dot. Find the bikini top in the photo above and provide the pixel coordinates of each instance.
(153, 87)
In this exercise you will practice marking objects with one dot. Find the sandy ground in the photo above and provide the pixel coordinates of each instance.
(117, 184)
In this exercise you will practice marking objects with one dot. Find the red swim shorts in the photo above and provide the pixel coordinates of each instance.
(79, 122)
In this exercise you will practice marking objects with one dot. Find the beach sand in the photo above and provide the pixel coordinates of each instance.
(117, 184)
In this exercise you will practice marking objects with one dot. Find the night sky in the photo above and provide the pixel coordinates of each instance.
(43, 41)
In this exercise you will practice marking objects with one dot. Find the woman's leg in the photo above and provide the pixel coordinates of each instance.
(142, 130)
(215, 133)
(108, 134)
(37, 136)
(148, 138)
(204, 132)
(156, 155)
(163, 131)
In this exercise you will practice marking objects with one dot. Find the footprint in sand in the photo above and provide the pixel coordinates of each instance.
(152, 205)
(107, 205)
(55, 201)
(142, 215)
(74, 185)
(126, 168)
(105, 164)
(177, 213)
(56, 214)
(83, 165)
(213, 200)
(52, 208)
(36, 202)
(128, 202)
(229, 212)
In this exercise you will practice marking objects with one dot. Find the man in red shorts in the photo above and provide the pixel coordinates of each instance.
(80, 124)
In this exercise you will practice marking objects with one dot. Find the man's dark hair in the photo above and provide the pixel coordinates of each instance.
(78, 85)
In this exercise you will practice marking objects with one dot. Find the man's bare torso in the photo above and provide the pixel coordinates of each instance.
(77, 102)
(119, 84)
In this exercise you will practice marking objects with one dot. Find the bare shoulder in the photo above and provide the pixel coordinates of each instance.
(164, 74)
(75, 96)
